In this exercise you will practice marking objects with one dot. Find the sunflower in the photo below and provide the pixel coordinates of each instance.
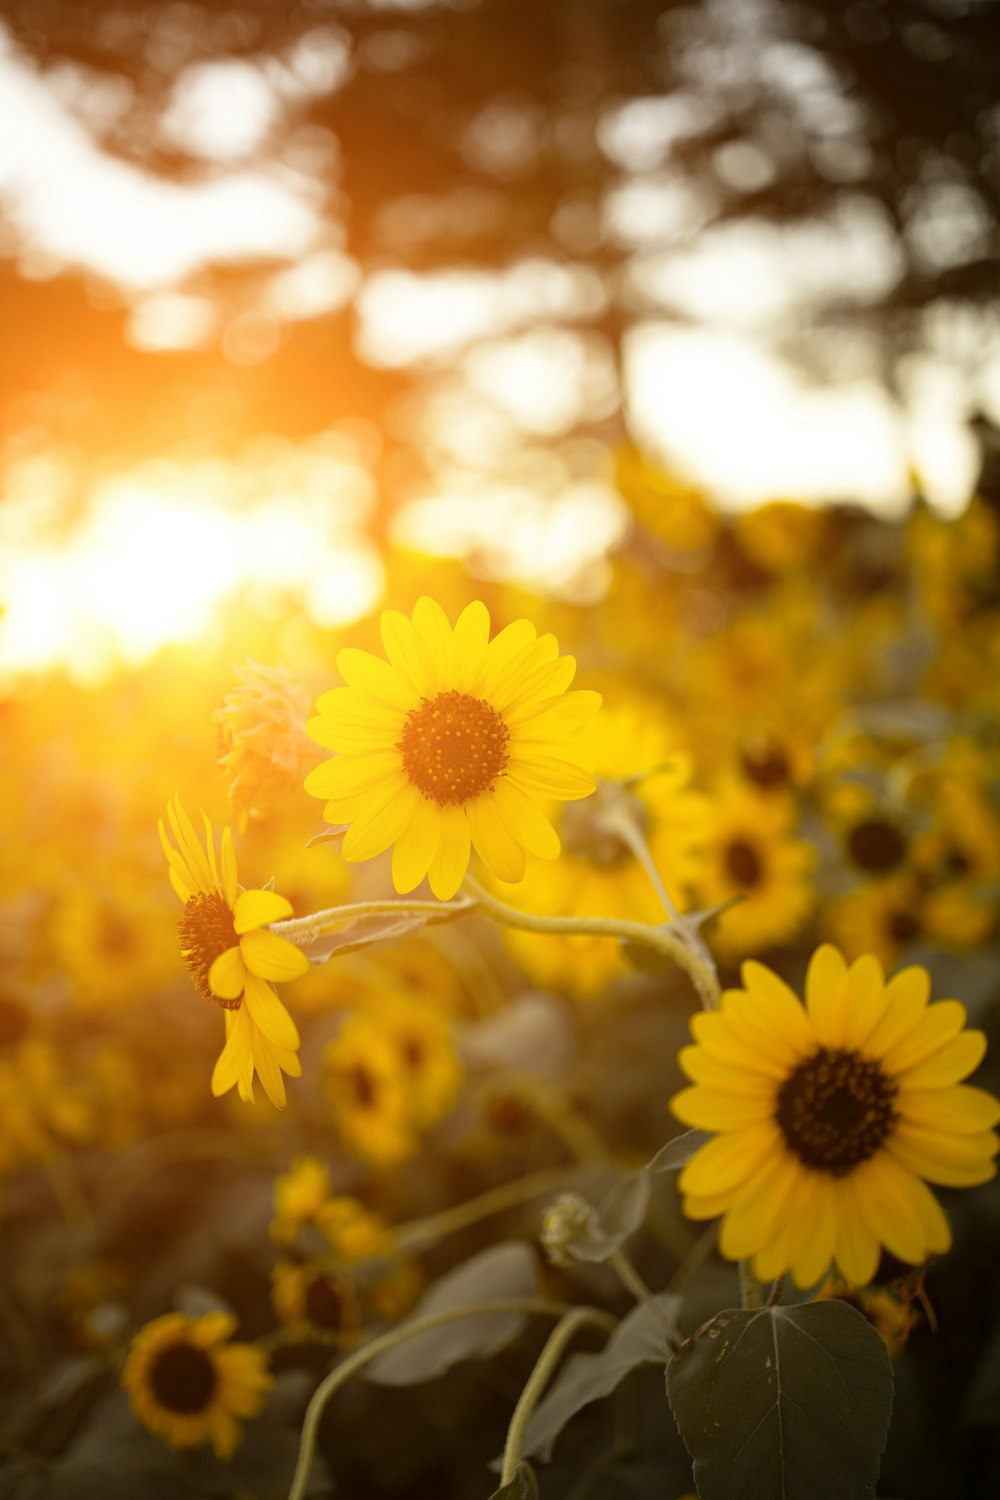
(831, 1117)
(232, 958)
(753, 854)
(188, 1384)
(315, 1298)
(450, 744)
(367, 1086)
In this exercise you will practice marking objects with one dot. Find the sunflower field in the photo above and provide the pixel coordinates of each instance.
(499, 750)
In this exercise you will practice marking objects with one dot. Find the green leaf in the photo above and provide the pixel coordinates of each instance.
(524, 1486)
(504, 1271)
(784, 1403)
(639, 1339)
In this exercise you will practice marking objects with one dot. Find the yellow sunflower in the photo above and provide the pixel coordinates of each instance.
(450, 745)
(189, 1385)
(232, 958)
(752, 853)
(830, 1117)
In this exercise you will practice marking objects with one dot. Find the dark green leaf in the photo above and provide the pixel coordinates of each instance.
(784, 1403)
(639, 1339)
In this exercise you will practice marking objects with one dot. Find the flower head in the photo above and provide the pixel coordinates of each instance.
(450, 745)
(832, 1118)
(233, 958)
(262, 743)
(190, 1385)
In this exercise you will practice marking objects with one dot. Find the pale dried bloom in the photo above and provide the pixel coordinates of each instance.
(567, 1221)
(263, 745)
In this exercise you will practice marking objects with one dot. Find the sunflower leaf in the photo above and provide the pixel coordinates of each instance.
(783, 1403)
(619, 1215)
(502, 1272)
(524, 1486)
(376, 927)
(678, 1152)
(639, 1339)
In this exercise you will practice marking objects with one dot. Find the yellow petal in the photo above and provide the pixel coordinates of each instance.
(772, 1006)
(951, 1161)
(539, 686)
(710, 1109)
(259, 908)
(179, 886)
(546, 776)
(728, 1160)
(187, 842)
(406, 653)
(177, 865)
(435, 634)
(227, 975)
(376, 679)
(810, 1261)
(354, 775)
(230, 885)
(235, 1055)
(959, 1110)
(472, 633)
(955, 1061)
(701, 1067)
(885, 1205)
(496, 846)
(354, 725)
(382, 822)
(416, 846)
(448, 867)
(857, 1249)
(825, 975)
(936, 1027)
(523, 818)
(502, 649)
(715, 1032)
(564, 714)
(760, 1206)
(268, 1070)
(269, 1014)
(272, 957)
(906, 997)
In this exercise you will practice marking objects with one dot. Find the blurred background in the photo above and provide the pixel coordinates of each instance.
(282, 282)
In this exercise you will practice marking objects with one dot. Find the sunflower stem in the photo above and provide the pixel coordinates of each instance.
(331, 920)
(633, 1282)
(361, 1357)
(751, 1293)
(699, 970)
(539, 1378)
(508, 1195)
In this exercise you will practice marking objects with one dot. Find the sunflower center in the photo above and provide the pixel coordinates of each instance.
(362, 1086)
(15, 1022)
(743, 864)
(454, 747)
(904, 926)
(206, 931)
(836, 1110)
(765, 764)
(876, 845)
(183, 1378)
(325, 1305)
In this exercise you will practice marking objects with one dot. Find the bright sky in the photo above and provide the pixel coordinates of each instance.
(509, 359)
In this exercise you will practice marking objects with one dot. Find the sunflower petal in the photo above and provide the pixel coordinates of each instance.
(959, 1110)
(547, 776)
(525, 820)
(269, 1015)
(937, 1026)
(857, 1248)
(272, 957)
(375, 678)
(496, 846)
(382, 822)
(955, 1061)
(416, 846)
(450, 863)
(435, 633)
(259, 908)
(227, 975)
(268, 1070)
(711, 1109)
(236, 1053)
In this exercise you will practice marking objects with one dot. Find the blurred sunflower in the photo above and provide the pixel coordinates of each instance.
(313, 1298)
(892, 1318)
(830, 1117)
(232, 958)
(450, 745)
(189, 1385)
(367, 1087)
(752, 853)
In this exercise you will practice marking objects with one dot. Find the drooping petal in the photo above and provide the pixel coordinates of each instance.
(235, 1055)
(450, 863)
(227, 975)
(272, 957)
(259, 908)
(494, 843)
(269, 1015)
(523, 818)
(382, 822)
(416, 846)
(268, 1069)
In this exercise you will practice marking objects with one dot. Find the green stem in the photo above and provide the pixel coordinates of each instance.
(508, 1195)
(633, 1282)
(751, 1294)
(660, 939)
(539, 1379)
(333, 919)
(362, 1357)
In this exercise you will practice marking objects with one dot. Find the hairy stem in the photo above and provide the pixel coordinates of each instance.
(539, 1379)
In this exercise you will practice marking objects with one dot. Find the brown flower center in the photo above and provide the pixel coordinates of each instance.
(744, 865)
(454, 747)
(206, 931)
(183, 1378)
(876, 845)
(836, 1110)
(328, 1304)
(765, 764)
